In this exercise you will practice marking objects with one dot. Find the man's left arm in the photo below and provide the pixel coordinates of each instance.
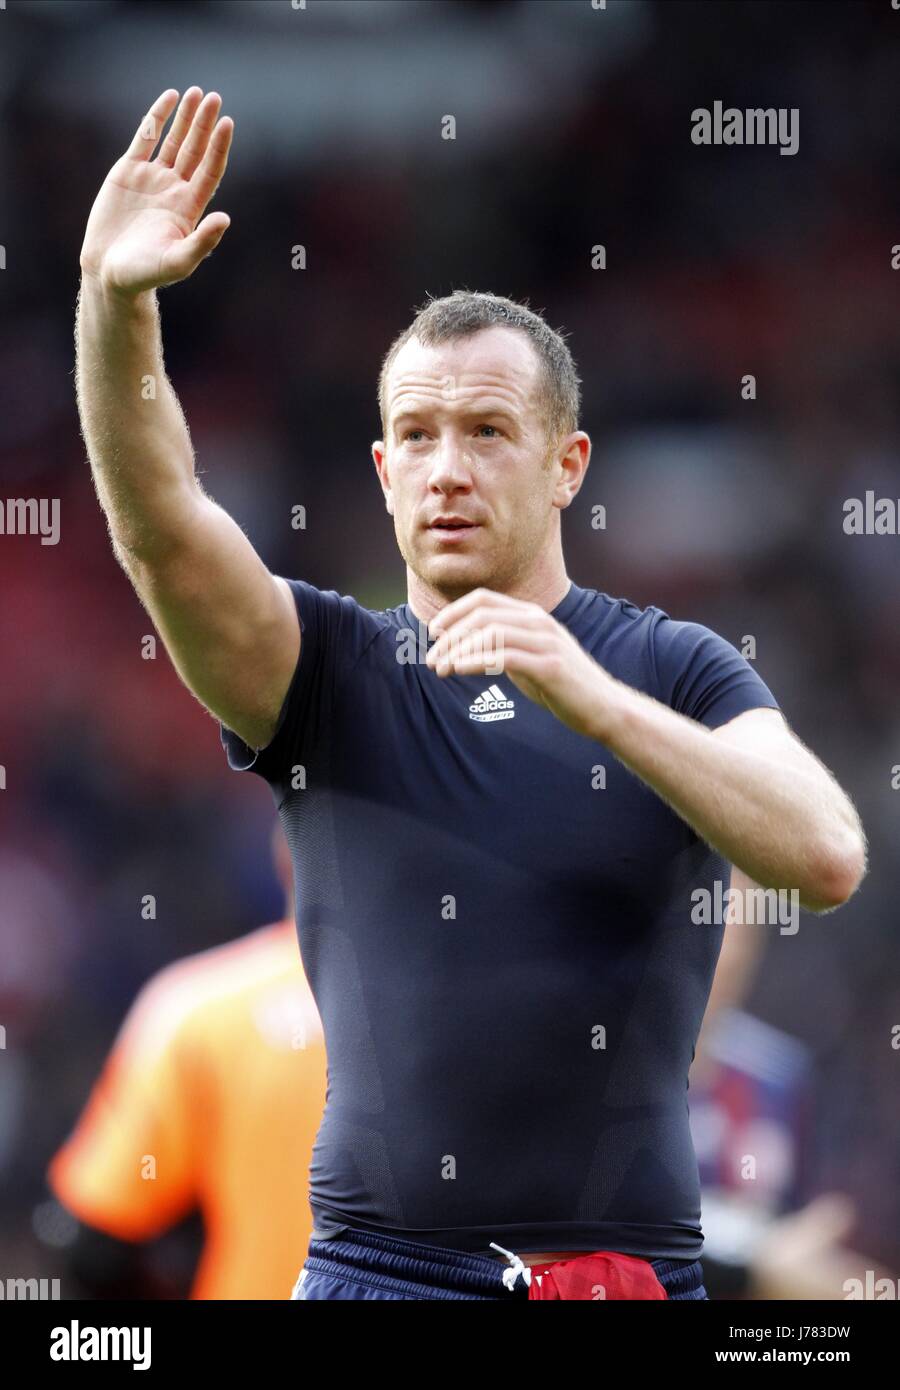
(749, 788)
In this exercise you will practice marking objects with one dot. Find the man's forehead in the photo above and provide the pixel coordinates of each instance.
(493, 360)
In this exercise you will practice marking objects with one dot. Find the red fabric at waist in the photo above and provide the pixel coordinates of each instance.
(603, 1274)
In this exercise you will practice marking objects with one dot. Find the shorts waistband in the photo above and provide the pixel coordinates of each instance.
(387, 1261)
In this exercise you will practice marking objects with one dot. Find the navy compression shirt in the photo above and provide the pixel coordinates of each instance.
(494, 916)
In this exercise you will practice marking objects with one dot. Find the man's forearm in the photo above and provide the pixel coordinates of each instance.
(136, 436)
(784, 827)
(750, 789)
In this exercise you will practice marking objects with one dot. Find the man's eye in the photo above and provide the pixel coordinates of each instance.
(409, 435)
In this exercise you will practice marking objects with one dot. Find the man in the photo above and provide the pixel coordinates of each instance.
(209, 1101)
(495, 838)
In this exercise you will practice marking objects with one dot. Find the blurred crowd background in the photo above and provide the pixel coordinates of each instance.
(573, 130)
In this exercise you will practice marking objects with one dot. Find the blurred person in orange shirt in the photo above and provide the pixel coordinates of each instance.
(210, 1101)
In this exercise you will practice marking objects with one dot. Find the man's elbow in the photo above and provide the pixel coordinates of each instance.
(842, 869)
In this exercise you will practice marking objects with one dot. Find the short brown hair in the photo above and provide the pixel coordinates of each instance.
(463, 312)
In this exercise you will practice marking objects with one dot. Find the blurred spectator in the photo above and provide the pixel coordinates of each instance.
(210, 1101)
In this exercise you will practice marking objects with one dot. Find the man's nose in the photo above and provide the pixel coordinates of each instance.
(451, 467)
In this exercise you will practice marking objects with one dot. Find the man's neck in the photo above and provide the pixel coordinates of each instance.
(546, 590)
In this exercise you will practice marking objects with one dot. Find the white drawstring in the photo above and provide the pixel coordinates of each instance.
(517, 1267)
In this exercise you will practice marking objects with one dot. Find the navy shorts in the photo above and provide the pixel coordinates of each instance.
(363, 1265)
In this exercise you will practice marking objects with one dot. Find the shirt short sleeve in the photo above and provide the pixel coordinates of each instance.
(127, 1168)
(334, 632)
(703, 676)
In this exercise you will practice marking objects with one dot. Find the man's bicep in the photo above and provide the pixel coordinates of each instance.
(767, 731)
(336, 633)
(228, 624)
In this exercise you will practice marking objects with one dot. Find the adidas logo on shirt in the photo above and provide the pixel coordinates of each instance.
(492, 704)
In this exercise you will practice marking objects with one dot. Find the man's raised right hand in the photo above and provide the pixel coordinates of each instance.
(144, 229)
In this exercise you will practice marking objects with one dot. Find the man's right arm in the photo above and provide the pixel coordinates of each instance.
(228, 624)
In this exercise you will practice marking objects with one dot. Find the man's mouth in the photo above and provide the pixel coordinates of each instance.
(453, 530)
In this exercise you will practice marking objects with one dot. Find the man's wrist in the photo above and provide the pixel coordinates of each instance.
(111, 296)
(612, 712)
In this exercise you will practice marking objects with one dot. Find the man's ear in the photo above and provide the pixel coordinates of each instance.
(574, 457)
(378, 455)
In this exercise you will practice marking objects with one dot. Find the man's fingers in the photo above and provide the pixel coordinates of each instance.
(208, 177)
(460, 606)
(151, 127)
(194, 146)
(491, 640)
(180, 126)
(485, 616)
(513, 662)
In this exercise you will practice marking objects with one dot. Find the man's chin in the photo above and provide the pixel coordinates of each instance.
(455, 575)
